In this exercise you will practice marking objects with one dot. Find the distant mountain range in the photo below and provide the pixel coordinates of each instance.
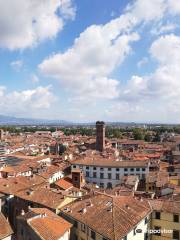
(15, 121)
(8, 120)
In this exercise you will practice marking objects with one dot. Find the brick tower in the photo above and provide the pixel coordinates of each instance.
(100, 136)
(1, 134)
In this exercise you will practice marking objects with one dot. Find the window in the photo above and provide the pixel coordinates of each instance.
(101, 175)
(75, 237)
(94, 168)
(22, 232)
(101, 169)
(146, 220)
(87, 167)
(125, 238)
(125, 174)
(176, 235)
(145, 236)
(125, 169)
(93, 235)
(137, 169)
(109, 175)
(132, 169)
(109, 185)
(117, 169)
(149, 188)
(101, 185)
(76, 179)
(87, 174)
(143, 169)
(109, 169)
(94, 175)
(74, 166)
(158, 231)
(157, 215)
(83, 227)
(134, 231)
(117, 176)
(176, 218)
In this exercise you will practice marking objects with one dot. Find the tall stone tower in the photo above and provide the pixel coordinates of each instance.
(1, 134)
(100, 136)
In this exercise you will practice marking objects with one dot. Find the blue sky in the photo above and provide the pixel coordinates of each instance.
(87, 60)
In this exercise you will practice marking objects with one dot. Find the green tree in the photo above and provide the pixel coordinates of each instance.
(147, 137)
(138, 134)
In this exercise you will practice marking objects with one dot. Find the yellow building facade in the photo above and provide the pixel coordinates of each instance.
(168, 223)
(175, 180)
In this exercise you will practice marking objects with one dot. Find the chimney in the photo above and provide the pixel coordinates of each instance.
(127, 206)
(109, 209)
(84, 210)
(22, 212)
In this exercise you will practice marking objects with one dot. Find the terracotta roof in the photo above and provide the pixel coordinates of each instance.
(131, 180)
(109, 162)
(64, 184)
(111, 216)
(160, 178)
(130, 142)
(46, 224)
(7, 169)
(50, 171)
(44, 196)
(166, 206)
(14, 184)
(5, 228)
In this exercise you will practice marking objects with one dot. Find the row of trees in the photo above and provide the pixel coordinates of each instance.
(149, 134)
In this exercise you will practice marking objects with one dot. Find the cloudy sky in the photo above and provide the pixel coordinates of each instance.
(83, 60)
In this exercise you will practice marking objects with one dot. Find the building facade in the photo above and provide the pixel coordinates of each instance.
(108, 176)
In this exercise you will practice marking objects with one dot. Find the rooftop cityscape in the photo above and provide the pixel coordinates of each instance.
(96, 183)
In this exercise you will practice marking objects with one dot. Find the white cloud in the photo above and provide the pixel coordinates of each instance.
(25, 23)
(17, 65)
(144, 10)
(34, 78)
(127, 112)
(67, 9)
(174, 6)
(134, 89)
(166, 49)
(142, 62)
(163, 83)
(164, 28)
(86, 67)
(27, 101)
